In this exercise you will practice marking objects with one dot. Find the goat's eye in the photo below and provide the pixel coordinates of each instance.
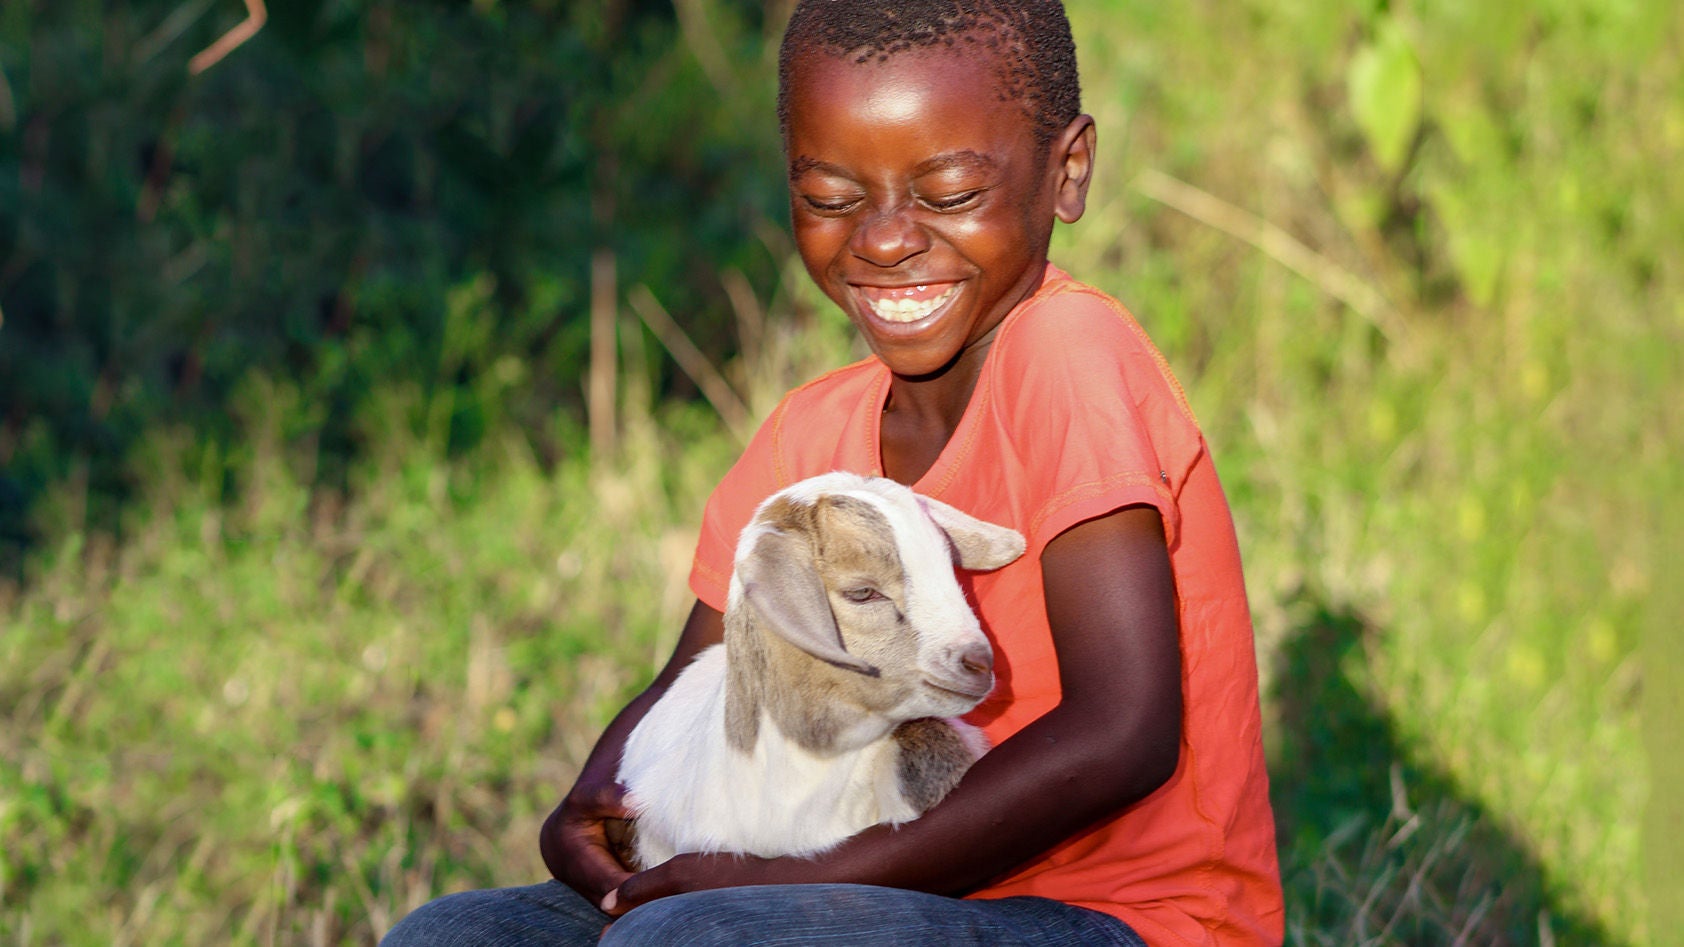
(862, 594)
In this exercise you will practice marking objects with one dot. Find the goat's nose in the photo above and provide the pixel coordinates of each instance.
(977, 659)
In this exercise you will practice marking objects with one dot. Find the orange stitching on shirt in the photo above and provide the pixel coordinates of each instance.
(779, 475)
(779, 470)
(874, 430)
(1133, 325)
(1093, 488)
(711, 574)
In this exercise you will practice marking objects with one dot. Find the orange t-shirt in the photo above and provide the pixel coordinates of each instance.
(1075, 415)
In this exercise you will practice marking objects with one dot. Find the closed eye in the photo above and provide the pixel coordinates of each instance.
(951, 202)
(830, 205)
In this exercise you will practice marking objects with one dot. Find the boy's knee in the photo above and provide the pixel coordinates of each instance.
(443, 922)
(546, 913)
(700, 918)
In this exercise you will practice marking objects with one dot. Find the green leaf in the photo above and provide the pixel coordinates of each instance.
(1477, 251)
(1384, 86)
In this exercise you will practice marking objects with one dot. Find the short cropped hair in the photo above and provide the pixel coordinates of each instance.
(1031, 36)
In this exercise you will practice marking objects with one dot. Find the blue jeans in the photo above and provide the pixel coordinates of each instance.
(551, 913)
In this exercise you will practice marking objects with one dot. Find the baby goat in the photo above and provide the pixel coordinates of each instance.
(848, 646)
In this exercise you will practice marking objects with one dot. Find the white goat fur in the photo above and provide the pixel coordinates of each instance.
(845, 628)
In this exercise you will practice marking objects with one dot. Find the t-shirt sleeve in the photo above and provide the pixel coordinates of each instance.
(750, 480)
(1100, 423)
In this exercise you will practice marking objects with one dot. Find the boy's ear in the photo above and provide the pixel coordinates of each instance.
(1072, 154)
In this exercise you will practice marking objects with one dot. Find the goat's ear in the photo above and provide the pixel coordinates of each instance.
(978, 545)
(785, 590)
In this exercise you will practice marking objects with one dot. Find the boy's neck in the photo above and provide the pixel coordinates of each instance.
(922, 413)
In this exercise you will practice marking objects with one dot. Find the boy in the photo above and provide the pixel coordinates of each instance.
(931, 144)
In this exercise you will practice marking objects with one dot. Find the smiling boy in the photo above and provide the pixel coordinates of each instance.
(931, 144)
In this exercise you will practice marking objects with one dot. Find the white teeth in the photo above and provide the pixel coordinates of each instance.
(908, 310)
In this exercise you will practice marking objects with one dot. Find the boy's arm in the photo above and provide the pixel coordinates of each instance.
(1113, 739)
(574, 839)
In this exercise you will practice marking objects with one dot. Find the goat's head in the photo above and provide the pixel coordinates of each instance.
(858, 573)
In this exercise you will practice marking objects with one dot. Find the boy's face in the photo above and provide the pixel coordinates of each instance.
(921, 203)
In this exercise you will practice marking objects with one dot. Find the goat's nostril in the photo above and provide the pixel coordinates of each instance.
(977, 660)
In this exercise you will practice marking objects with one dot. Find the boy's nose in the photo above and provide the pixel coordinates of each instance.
(888, 237)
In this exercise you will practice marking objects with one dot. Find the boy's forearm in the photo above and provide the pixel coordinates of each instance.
(1047, 783)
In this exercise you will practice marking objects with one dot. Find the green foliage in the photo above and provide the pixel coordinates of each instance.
(310, 206)
(1384, 86)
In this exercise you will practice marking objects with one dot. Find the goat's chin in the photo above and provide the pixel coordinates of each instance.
(973, 690)
(943, 700)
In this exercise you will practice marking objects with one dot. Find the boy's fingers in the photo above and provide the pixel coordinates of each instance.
(640, 888)
(604, 874)
(691, 872)
(619, 901)
(587, 861)
(598, 861)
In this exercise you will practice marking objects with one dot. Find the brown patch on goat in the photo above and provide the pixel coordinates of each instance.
(745, 681)
(747, 644)
(854, 538)
(855, 546)
(852, 544)
(931, 759)
(787, 516)
(812, 701)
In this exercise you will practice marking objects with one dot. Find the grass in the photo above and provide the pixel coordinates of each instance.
(265, 713)
(285, 720)
(1464, 466)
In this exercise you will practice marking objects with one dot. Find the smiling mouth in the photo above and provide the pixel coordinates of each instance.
(907, 304)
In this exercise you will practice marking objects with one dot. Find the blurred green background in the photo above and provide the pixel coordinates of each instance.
(359, 395)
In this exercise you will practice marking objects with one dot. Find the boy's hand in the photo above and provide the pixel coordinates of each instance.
(694, 873)
(576, 840)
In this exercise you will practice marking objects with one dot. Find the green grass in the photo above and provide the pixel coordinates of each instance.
(266, 714)
(1467, 471)
(281, 717)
